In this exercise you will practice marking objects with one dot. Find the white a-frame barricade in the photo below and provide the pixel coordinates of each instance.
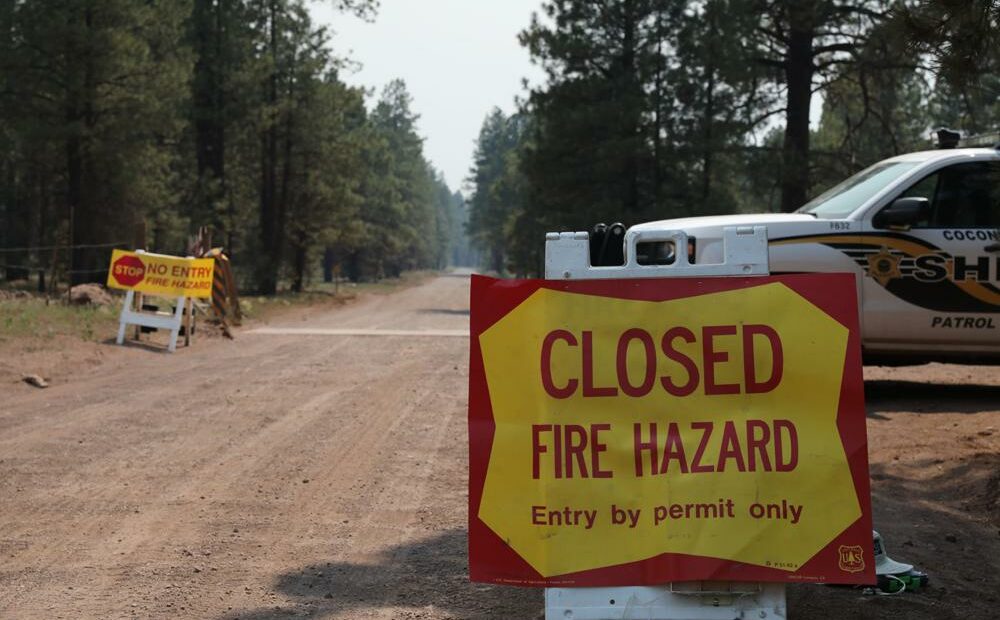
(158, 320)
(567, 257)
(171, 322)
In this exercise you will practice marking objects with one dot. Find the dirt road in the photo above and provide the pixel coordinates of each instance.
(324, 475)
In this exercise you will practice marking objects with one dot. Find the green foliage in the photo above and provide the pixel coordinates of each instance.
(876, 107)
(653, 109)
(228, 113)
(399, 209)
(495, 203)
(590, 159)
(645, 115)
(93, 93)
(962, 37)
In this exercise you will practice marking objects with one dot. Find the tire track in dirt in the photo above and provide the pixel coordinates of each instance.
(175, 486)
(88, 519)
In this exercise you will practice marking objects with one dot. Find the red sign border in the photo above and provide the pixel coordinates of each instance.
(491, 560)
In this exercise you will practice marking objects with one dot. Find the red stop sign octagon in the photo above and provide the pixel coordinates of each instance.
(128, 270)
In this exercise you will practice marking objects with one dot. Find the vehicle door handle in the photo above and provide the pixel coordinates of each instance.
(994, 247)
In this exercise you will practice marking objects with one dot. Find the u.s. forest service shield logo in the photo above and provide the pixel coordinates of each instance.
(852, 559)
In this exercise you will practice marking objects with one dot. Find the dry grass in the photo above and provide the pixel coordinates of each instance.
(41, 317)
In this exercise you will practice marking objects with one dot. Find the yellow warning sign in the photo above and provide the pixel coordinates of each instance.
(159, 274)
(699, 427)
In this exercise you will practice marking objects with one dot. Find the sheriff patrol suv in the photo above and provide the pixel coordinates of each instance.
(920, 231)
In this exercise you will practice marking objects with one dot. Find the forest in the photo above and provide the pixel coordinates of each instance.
(163, 117)
(139, 119)
(653, 109)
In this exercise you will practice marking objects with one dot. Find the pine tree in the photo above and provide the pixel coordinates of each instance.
(802, 42)
(591, 157)
(96, 88)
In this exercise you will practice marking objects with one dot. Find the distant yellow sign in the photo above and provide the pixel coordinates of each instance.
(159, 274)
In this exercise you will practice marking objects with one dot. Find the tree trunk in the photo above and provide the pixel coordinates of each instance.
(88, 224)
(299, 264)
(17, 234)
(630, 131)
(286, 174)
(657, 128)
(328, 262)
(268, 278)
(11, 216)
(497, 259)
(209, 99)
(708, 149)
(39, 221)
(798, 76)
(354, 266)
(74, 196)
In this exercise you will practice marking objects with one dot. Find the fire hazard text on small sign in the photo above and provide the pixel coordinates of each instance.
(636, 432)
(157, 274)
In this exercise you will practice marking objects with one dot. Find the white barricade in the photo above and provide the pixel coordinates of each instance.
(158, 320)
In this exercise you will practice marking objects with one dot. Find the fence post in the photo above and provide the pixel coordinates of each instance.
(69, 256)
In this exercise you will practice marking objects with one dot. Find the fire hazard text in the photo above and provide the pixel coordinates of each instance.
(665, 446)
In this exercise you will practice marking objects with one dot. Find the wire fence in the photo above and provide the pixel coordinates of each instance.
(80, 246)
(54, 267)
(39, 267)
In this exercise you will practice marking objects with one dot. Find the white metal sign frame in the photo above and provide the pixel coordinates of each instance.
(567, 257)
(171, 322)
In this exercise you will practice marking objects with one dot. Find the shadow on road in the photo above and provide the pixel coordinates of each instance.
(918, 397)
(946, 523)
(950, 491)
(155, 347)
(449, 311)
(942, 516)
(432, 573)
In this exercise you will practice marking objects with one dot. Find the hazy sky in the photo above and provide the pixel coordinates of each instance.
(459, 58)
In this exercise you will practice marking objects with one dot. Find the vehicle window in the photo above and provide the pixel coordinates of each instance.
(844, 198)
(961, 196)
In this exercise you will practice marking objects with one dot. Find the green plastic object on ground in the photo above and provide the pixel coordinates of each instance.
(912, 580)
